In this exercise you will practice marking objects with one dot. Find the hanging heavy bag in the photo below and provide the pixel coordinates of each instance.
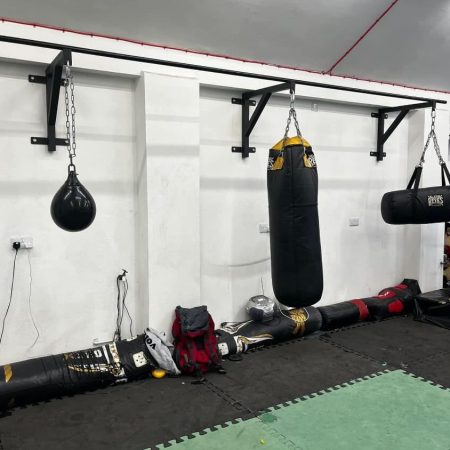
(292, 186)
(416, 205)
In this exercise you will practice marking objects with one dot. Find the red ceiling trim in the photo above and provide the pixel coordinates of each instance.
(215, 55)
(374, 24)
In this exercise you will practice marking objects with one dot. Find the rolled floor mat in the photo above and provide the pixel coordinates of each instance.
(288, 324)
(74, 372)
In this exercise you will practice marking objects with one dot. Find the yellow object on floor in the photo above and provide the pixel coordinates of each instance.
(158, 373)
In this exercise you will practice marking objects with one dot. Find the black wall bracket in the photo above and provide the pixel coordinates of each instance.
(248, 123)
(381, 115)
(53, 81)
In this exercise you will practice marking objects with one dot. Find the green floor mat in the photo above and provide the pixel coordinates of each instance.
(249, 435)
(392, 410)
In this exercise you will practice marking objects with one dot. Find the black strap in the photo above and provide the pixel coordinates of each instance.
(415, 179)
(444, 173)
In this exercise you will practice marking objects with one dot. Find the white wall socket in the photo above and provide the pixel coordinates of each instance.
(353, 221)
(264, 228)
(25, 241)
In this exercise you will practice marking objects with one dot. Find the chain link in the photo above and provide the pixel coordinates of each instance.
(292, 115)
(70, 114)
(432, 135)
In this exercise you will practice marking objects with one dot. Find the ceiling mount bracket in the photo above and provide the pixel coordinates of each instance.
(381, 115)
(53, 81)
(248, 123)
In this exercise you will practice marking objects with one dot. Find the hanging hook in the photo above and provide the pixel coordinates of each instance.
(292, 92)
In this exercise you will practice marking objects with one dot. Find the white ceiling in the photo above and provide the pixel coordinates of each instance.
(409, 45)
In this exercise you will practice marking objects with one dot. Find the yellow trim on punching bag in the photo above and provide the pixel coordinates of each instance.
(296, 140)
(8, 372)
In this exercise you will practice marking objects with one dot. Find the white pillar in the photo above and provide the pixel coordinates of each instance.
(168, 194)
(425, 243)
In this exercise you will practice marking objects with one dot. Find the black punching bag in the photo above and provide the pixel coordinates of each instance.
(296, 256)
(73, 208)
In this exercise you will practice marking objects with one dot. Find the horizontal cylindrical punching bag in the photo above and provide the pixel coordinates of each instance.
(238, 337)
(71, 373)
(393, 300)
(296, 257)
(418, 206)
(343, 314)
(415, 205)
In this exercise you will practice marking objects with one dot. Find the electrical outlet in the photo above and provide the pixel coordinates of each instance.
(139, 359)
(26, 242)
(264, 228)
(353, 221)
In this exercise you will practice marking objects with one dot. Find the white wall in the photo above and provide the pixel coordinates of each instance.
(358, 261)
(73, 289)
(175, 207)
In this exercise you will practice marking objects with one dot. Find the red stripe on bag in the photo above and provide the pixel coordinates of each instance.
(395, 307)
(363, 310)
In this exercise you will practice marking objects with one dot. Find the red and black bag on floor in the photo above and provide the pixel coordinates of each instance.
(390, 301)
(196, 350)
(393, 300)
(343, 314)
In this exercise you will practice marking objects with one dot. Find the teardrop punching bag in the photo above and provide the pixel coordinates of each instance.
(292, 185)
(72, 208)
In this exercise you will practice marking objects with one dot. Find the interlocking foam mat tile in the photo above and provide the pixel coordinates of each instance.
(277, 374)
(390, 411)
(131, 416)
(398, 341)
(436, 368)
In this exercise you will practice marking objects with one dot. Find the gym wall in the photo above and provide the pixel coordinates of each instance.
(175, 207)
(73, 288)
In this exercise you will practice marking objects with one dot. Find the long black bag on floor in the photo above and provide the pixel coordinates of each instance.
(419, 206)
(71, 373)
(292, 185)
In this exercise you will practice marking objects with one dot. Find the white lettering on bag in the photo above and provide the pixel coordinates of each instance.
(435, 200)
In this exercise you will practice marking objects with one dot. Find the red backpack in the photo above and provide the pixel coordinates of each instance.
(196, 350)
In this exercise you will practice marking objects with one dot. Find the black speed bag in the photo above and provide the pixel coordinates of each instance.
(418, 206)
(296, 258)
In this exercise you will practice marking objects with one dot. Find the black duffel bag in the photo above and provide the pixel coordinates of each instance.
(419, 206)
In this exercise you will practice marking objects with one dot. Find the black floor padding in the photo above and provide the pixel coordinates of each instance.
(281, 373)
(399, 341)
(133, 416)
(435, 368)
(142, 414)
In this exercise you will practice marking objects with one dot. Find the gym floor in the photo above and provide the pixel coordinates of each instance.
(376, 385)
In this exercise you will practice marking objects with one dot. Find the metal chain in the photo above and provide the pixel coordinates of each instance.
(292, 114)
(432, 135)
(70, 115)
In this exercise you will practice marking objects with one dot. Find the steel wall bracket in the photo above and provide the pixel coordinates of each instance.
(381, 115)
(248, 123)
(53, 81)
